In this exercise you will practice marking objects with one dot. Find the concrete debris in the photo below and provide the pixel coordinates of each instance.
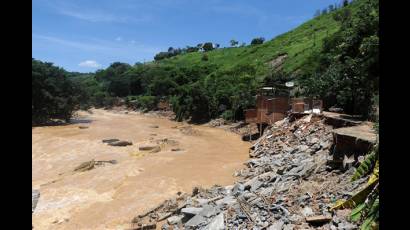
(35, 196)
(191, 211)
(218, 223)
(286, 185)
(318, 219)
(175, 219)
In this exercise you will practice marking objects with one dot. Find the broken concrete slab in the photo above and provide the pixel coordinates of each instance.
(191, 211)
(352, 142)
(338, 120)
(175, 219)
(217, 223)
(35, 196)
(208, 211)
(195, 221)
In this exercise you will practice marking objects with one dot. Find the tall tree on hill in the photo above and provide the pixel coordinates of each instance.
(257, 41)
(234, 43)
(208, 46)
(345, 2)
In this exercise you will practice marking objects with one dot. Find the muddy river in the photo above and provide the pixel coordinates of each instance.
(110, 195)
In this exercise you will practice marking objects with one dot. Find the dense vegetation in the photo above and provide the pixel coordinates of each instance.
(53, 95)
(334, 56)
(348, 70)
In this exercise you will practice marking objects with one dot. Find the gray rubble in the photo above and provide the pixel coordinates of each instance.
(286, 184)
(35, 195)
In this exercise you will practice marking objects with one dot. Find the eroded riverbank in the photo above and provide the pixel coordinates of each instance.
(108, 197)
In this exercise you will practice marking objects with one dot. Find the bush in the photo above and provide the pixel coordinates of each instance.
(146, 103)
(208, 46)
(53, 96)
(258, 41)
(228, 115)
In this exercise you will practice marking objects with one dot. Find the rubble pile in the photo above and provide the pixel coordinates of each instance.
(287, 184)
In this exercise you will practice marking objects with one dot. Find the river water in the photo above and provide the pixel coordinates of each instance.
(108, 197)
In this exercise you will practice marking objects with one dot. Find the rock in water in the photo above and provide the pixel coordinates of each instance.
(35, 195)
(148, 147)
(110, 140)
(120, 143)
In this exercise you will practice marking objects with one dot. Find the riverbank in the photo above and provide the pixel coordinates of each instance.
(107, 196)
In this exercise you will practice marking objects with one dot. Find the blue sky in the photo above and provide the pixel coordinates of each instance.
(88, 35)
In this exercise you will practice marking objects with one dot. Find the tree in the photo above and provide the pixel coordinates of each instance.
(208, 46)
(324, 11)
(234, 43)
(348, 72)
(243, 44)
(331, 8)
(345, 3)
(54, 95)
(317, 13)
(257, 41)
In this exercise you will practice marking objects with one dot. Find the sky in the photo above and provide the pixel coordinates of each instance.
(86, 35)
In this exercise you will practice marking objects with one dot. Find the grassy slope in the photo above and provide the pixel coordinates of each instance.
(297, 43)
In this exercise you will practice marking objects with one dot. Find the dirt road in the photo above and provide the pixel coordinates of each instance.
(108, 196)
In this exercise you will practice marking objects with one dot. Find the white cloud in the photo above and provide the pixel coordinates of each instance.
(101, 16)
(90, 63)
(118, 39)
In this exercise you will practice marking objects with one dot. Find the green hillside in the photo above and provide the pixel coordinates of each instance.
(333, 56)
(298, 44)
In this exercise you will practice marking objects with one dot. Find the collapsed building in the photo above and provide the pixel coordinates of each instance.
(298, 168)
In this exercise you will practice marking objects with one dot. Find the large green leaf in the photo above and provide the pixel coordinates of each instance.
(367, 165)
(356, 199)
(372, 216)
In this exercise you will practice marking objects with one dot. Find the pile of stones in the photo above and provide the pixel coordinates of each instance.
(287, 184)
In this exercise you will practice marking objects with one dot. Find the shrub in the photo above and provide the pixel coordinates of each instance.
(257, 41)
(228, 115)
(146, 102)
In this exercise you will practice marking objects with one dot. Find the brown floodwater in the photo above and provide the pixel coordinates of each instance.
(109, 196)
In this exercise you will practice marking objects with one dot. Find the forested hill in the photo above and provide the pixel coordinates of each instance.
(333, 56)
